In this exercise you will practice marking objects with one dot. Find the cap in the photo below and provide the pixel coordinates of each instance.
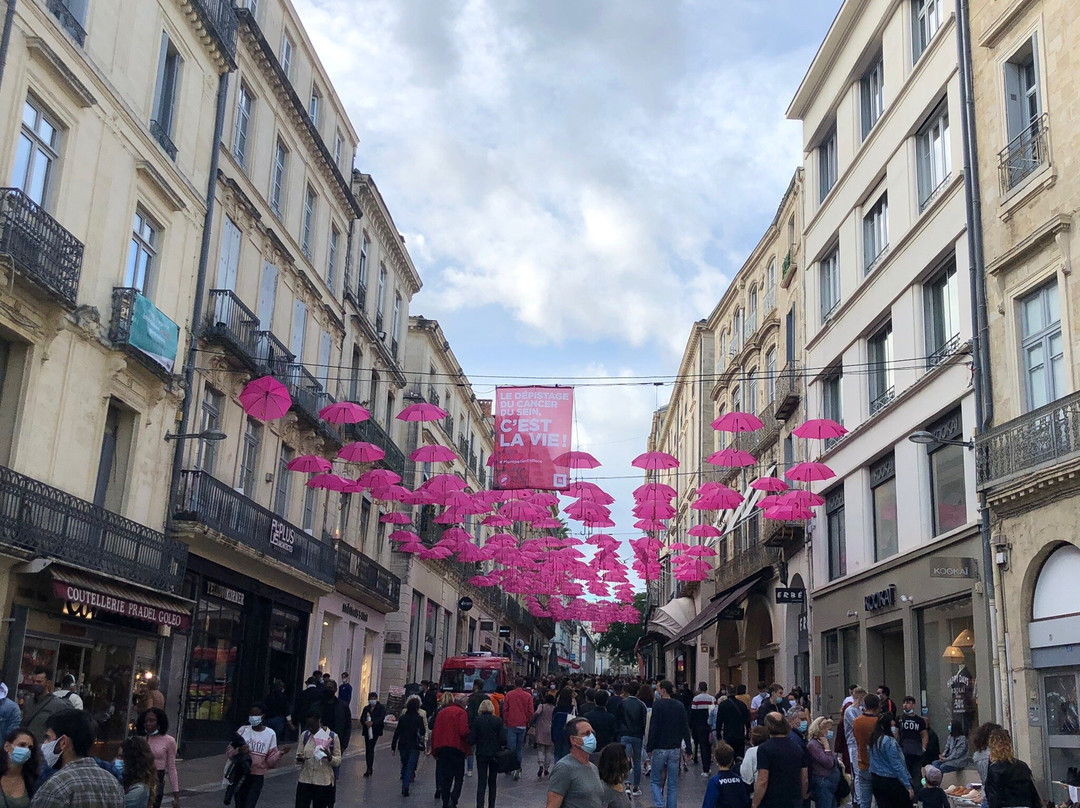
(933, 776)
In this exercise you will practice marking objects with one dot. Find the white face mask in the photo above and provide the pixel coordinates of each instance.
(372, 702)
(48, 751)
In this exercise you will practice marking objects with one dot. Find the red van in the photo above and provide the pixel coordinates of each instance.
(459, 673)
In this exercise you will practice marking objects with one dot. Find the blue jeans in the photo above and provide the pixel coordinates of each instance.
(824, 789)
(665, 759)
(864, 791)
(515, 741)
(409, 759)
(633, 751)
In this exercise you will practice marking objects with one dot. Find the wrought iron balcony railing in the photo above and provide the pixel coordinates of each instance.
(372, 583)
(394, 347)
(789, 390)
(378, 321)
(309, 396)
(432, 396)
(448, 426)
(41, 520)
(1025, 153)
(371, 432)
(882, 400)
(161, 135)
(68, 21)
(219, 19)
(233, 325)
(273, 357)
(43, 251)
(744, 564)
(212, 503)
(947, 349)
(1040, 438)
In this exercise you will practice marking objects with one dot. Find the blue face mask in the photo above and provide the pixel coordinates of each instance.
(588, 743)
(254, 720)
(19, 755)
(829, 735)
(803, 725)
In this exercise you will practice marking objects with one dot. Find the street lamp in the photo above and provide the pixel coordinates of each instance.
(929, 438)
(206, 434)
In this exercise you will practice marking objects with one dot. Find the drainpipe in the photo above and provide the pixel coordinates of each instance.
(984, 404)
(5, 39)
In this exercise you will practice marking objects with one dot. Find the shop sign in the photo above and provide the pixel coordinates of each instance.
(349, 610)
(122, 606)
(465, 604)
(282, 536)
(804, 633)
(733, 613)
(953, 567)
(504, 631)
(790, 595)
(884, 599)
(519, 645)
(216, 590)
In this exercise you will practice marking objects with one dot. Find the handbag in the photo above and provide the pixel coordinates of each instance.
(843, 788)
(506, 761)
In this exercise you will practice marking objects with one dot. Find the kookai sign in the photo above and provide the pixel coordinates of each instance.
(884, 599)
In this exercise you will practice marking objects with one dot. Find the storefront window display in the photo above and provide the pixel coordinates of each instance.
(215, 637)
(949, 687)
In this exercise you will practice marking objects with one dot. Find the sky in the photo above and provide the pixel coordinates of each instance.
(576, 180)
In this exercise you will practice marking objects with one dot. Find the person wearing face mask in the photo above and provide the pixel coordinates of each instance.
(154, 726)
(824, 771)
(799, 720)
(318, 754)
(575, 781)
(260, 742)
(43, 705)
(19, 767)
(79, 781)
(371, 719)
(913, 738)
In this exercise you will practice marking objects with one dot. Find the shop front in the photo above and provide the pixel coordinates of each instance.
(244, 636)
(350, 640)
(108, 633)
(918, 626)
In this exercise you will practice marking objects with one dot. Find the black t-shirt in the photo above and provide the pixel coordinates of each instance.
(784, 760)
(911, 730)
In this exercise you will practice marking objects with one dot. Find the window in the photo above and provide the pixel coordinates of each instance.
(721, 357)
(365, 521)
(942, 315)
(770, 373)
(253, 7)
(322, 373)
(875, 233)
(315, 105)
(307, 518)
(933, 158)
(281, 491)
(168, 81)
(737, 400)
(36, 153)
(879, 351)
(751, 390)
(832, 396)
(827, 165)
(751, 311)
(829, 277)
(299, 330)
(354, 379)
(737, 332)
(339, 144)
(344, 511)
(249, 456)
(361, 273)
(834, 526)
(287, 49)
(883, 494)
(948, 497)
(770, 286)
(926, 19)
(380, 300)
(243, 121)
(142, 254)
(396, 327)
(1041, 346)
(873, 95)
(1023, 112)
(277, 177)
(790, 457)
(332, 257)
(210, 421)
(308, 225)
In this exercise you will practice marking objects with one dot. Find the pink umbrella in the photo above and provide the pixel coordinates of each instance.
(470, 553)
(653, 510)
(819, 429)
(422, 411)
(576, 489)
(769, 484)
(718, 501)
(309, 464)
(577, 460)
(655, 461)
(378, 478)
(344, 412)
(678, 546)
(543, 499)
(586, 510)
(401, 536)
(701, 551)
(390, 493)
(443, 484)
(809, 472)
(704, 531)
(649, 524)
(496, 521)
(331, 482)
(436, 552)
(361, 452)
(433, 453)
(599, 497)
(737, 422)
(412, 547)
(265, 398)
(652, 489)
(802, 498)
(395, 518)
(601, 523)
(787, 513)
(731, 457)
(769, 501)
(547, 523)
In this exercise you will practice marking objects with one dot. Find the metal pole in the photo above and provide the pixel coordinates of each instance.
(5, 39)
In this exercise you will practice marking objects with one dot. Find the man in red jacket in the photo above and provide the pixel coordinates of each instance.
(517, 712)
(450, 747)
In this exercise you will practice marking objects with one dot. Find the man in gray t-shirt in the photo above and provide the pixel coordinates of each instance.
(575, 782)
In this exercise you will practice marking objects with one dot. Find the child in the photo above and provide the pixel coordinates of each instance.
(933, 796)
(726, 788)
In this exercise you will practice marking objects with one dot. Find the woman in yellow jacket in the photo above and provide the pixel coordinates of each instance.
(318, 755)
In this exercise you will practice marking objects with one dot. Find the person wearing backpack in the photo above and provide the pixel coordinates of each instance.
(409, 739)
(318, 754)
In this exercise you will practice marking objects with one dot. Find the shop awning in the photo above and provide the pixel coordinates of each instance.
(670, 618)
(109, 595)
(711, 613)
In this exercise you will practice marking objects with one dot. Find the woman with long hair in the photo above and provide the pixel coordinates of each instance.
(541, 719)
(614, 766)
(1008, 782)
(139, 777)
(979, 744)
(487, 737)
(564, 711)
(154, 726)
(19, 765)
(409, 741)
(890, 780)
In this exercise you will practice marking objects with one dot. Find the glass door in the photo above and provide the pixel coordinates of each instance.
(1059, 692)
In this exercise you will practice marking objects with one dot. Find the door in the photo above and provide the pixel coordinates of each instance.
(106, 462)
(229, 260)
(299, 330)
(1059, 697)
(267, 296)
(789, 329)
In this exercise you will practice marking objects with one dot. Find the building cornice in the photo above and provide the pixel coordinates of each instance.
(368, 192)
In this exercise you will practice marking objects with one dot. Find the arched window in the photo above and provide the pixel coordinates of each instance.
(770, 286)
(1058, 575)
(737, 332)
(770, 373)
(721, 354)
(751, 312)
(751, 390)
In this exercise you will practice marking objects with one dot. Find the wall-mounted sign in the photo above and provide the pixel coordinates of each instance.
(519, 644)
(784, 595)
(884, 599)
(88, 599)
(153, 333)
(225, 593)
(349, 610)
(465, 604)
(733, 613)
(504, 631)
(282, 536)
(953, 567)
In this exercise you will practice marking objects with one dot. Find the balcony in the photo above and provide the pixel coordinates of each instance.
(272, 356)
(947, 349)
(308, 397)
(371, 432)
(432, 396)
(68, 21)
(379, 324)
(142, 331)
(367, 580)
(1025, 154)
(219, 19)
(787, 271)
(786, 534)
(394, 347)
(745, 564)
(44, 521)
(789, 390)
(234, 326)
(213, 504)
(1041, 438)
(882, 400)
(161, 135)
(448, 426)
(545, 626)
(463, 448)
(41, 250)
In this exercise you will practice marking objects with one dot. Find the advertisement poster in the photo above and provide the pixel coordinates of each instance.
(532, 428)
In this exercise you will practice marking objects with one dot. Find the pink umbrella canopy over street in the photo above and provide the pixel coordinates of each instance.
(344, 412)
(422, 411)
(265, 398)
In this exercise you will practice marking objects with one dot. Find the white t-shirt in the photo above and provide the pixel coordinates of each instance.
(259, 745)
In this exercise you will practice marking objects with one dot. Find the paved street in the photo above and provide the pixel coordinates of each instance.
(384, 790)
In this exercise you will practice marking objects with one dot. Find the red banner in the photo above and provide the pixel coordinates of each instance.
(532, 428)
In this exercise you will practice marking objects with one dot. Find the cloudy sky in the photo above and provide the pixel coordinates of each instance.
(576, 180)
